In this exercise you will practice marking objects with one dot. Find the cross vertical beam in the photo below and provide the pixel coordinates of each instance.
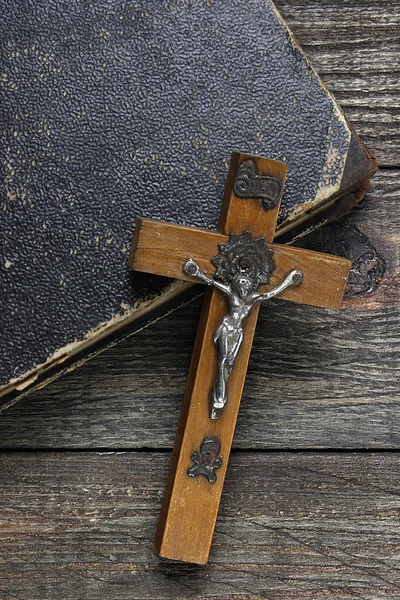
(190, 505)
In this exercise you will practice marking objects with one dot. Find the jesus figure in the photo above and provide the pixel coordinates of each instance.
(241, 293)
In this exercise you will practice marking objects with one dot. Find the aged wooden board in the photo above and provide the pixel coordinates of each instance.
(81, 525)
(315, 380)
(355, 46)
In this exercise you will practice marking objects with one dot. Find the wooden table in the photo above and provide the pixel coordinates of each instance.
(311, 503)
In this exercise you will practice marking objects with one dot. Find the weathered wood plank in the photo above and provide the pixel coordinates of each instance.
(81, 525)
(314, 380)
(355, 47)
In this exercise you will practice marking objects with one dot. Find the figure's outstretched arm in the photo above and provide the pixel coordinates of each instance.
(190, 267)
(294, 278)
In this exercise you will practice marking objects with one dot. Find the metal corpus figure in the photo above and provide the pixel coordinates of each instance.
(242, 265)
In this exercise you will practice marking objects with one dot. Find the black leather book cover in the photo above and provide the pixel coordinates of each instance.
(110, 110)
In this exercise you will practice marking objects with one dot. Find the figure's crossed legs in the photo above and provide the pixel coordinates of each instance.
(227, 351)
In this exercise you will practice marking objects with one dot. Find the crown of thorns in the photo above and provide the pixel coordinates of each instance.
(244, 255)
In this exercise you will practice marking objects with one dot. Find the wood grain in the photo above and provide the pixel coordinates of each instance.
(162, 248)
(190, 505)
(291, 526)
(355, 46)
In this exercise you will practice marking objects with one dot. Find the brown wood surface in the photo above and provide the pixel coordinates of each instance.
(291, 525)
(162, 248)
(354, 45)
(190, 505)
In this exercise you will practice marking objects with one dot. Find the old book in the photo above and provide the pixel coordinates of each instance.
(114, 110)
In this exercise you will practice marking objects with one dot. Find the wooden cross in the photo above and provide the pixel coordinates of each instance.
(200, 456)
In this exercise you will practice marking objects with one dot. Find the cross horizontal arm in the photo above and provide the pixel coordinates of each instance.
(162, 248)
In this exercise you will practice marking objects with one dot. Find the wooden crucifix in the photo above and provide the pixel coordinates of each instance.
(236, 263)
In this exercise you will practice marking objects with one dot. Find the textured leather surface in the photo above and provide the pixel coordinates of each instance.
(114, 109)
